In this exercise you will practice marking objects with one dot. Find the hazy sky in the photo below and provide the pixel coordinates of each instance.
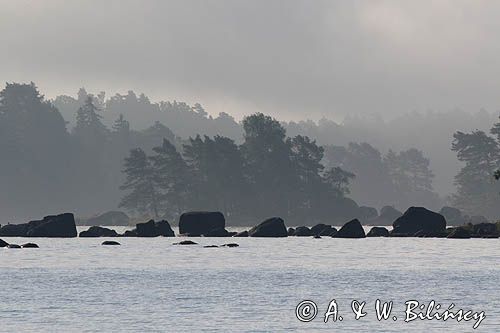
(293, 59)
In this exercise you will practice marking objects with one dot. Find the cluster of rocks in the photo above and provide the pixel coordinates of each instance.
(415, 222)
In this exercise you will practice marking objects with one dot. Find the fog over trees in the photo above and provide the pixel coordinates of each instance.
(90, 153)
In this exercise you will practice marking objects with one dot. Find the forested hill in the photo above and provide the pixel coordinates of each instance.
(67, 154)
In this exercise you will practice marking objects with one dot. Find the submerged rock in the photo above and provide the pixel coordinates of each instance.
(13, 246)
(201, 223)
(272, 227)
(98, 232)
(351, 229)
(109, 242)
(419, 219)
(231, 245)
(210, 246)
(3, 243)
(378, 232)
(186, 242)
(317, 237)
(30, 246)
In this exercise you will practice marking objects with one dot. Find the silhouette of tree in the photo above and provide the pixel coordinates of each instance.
(173, 177)
(476, 191)
(141, 183)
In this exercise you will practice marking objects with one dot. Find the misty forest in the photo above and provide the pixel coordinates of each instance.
(89, 153)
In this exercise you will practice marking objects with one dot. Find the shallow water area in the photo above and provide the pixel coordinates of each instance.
(148, 284)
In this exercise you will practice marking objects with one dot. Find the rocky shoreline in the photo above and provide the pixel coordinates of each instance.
(415, 222)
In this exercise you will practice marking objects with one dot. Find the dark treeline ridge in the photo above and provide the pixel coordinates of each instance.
(248, 170)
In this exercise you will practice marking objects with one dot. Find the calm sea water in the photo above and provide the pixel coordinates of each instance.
(150, 285)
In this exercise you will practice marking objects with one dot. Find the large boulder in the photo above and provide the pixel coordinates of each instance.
(302, 232)
(378, 232)
(201, 223)
(352, 229)
(96, 231)
(419, 219)
(273, 227)
(108, 219)
(388, 215)
(3, 243)
(62, 225)
(154, 229)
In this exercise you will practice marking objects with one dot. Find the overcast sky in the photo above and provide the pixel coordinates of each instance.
(293, 59)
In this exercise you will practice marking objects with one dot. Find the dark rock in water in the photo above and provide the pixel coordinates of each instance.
(290, 231)
(3, 243)
(459, 233)
(201, 223)
(484, 229)
(110, 243)
(317, 236)
(217, 233)
(98, 232)
(30, 246)
(241, 234)
(210, 246)
(231, 245)
(154, 229)
(111, 218)
(318, 228)
(453, 216)
(366, 213)
(302, 232)
(333, 232)
(416, 219)
(351, 229)
(378, 232)
(14, 230)
(13, 246)
(62, 225)
(328, 231)
(163, 229)
(130, 233)
(273, 227)
(186, 242)
(388, 215)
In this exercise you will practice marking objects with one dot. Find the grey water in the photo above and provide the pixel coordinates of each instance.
(150, 285)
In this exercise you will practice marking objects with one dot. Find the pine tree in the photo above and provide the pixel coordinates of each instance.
(172, 175)
(141, 183)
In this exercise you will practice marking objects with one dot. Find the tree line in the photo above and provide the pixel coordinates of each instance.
(477, 190)
(249, 169)
(268, 174)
